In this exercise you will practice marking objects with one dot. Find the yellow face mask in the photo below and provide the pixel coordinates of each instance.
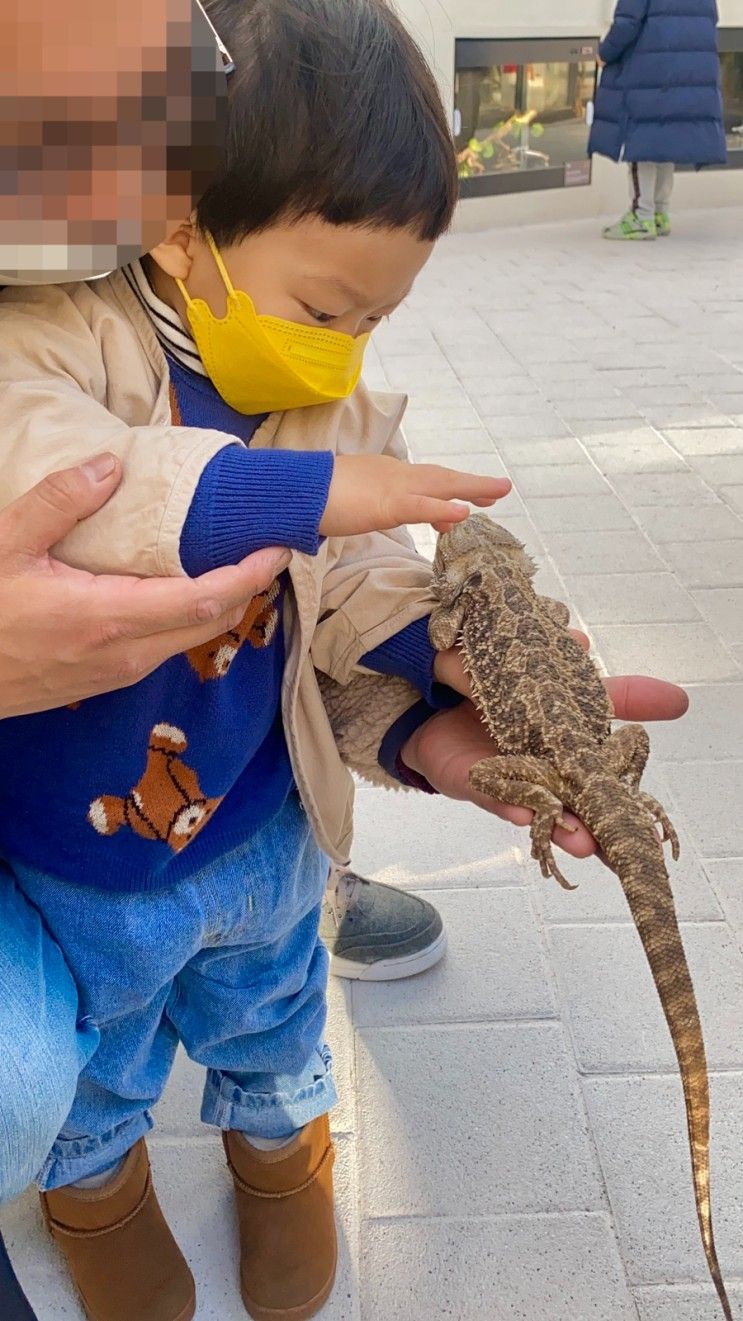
(262, 364)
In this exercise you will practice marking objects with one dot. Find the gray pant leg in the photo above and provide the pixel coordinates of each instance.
(664, 186)
(643, 177)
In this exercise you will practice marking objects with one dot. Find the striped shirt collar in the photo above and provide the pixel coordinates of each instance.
(166, 323)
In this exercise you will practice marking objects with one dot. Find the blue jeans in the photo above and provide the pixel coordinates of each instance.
(228, 962)
(44, 1042)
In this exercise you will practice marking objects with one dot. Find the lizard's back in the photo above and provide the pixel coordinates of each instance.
(546, 708)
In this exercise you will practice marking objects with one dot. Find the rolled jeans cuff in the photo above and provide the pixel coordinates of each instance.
(72, 1159)
(229, 1102)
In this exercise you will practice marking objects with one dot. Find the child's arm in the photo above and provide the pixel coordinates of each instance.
(68, 367)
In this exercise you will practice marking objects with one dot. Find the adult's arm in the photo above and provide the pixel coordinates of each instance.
(629, 17)
(66, 635)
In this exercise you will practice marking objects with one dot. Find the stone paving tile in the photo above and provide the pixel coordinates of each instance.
(723, 609)
(604, 552)
(497, 413)
(713, 522)
(662, 393)
(685, 1303)
(718, 469)
(473, 1120)
(640, 1128)
(420, 421)
(734, 497)
(559, 479)
(445, 444)
(544, 453)
(635, 458)
(710, 794)
(532, 426)
(686, 415)
(501, 975)
(405, 839)
(711, 564)
(616, 1021)
(663, 488)
(630, 599)
(600, 513)
(681, 653)
(726, 877)
(560, 1268)
(706, 440)
(711, 730)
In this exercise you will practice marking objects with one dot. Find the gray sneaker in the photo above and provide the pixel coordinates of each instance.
(375, 933)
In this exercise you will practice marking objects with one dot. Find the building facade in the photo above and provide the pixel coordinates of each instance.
(520, 92)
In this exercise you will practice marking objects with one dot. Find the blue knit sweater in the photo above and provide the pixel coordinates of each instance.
(136, 789)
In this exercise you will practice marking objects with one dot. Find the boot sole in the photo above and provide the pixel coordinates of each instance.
(301, 1313)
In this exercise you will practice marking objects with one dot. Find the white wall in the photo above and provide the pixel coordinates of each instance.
(437, 23)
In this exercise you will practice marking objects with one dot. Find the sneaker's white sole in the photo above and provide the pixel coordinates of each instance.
(390, 970)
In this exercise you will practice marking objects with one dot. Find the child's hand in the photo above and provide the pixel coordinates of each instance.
(374, 492)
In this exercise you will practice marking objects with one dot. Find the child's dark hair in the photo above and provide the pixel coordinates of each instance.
(333, 112)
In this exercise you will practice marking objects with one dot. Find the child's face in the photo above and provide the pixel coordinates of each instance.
(344, 277)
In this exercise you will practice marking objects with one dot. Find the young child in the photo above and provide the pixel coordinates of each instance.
(176, 836)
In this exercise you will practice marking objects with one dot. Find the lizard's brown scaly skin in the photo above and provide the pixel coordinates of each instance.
(545, 706)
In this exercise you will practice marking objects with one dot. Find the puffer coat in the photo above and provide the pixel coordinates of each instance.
(659, 98)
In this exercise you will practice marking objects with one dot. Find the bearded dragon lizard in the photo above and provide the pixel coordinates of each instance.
(543, 701)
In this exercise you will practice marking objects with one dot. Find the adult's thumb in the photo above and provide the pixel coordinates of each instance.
(39, 519)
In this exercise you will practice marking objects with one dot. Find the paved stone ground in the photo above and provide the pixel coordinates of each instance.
(511, 1139)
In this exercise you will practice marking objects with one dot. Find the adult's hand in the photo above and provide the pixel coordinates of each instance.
(66, 635)
(447, 746)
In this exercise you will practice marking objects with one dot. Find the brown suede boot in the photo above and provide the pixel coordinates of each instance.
(120, 1252)
(288, 1247)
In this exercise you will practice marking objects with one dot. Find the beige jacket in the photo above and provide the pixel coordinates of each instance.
(81, 371)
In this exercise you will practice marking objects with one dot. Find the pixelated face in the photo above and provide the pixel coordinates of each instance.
(112, 119)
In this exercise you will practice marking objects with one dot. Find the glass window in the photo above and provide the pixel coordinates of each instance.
(732, 97)
(522, 121)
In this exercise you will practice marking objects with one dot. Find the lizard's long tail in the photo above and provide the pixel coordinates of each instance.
(634, 852)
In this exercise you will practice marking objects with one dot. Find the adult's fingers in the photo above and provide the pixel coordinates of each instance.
(638, 697)
(52, 508)
(579, 842)
(147, 607)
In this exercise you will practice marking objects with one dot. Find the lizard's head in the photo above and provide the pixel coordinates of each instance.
(466, 553)
(474, 555)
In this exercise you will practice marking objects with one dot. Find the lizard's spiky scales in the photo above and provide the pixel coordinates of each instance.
(543, 702)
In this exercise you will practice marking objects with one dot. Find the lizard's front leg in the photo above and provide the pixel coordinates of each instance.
(527, 782)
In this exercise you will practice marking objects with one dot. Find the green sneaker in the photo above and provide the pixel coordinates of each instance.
(631, 227)
(376, 933)
(662, 224)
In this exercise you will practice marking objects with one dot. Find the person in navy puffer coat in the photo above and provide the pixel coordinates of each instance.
(659, 103)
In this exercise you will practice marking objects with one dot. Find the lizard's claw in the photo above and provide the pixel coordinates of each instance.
(661, 818)
(541, 845)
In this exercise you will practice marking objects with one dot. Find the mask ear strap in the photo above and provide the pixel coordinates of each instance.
(216, 254)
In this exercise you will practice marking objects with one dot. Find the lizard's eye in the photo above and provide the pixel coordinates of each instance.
(475, 580)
